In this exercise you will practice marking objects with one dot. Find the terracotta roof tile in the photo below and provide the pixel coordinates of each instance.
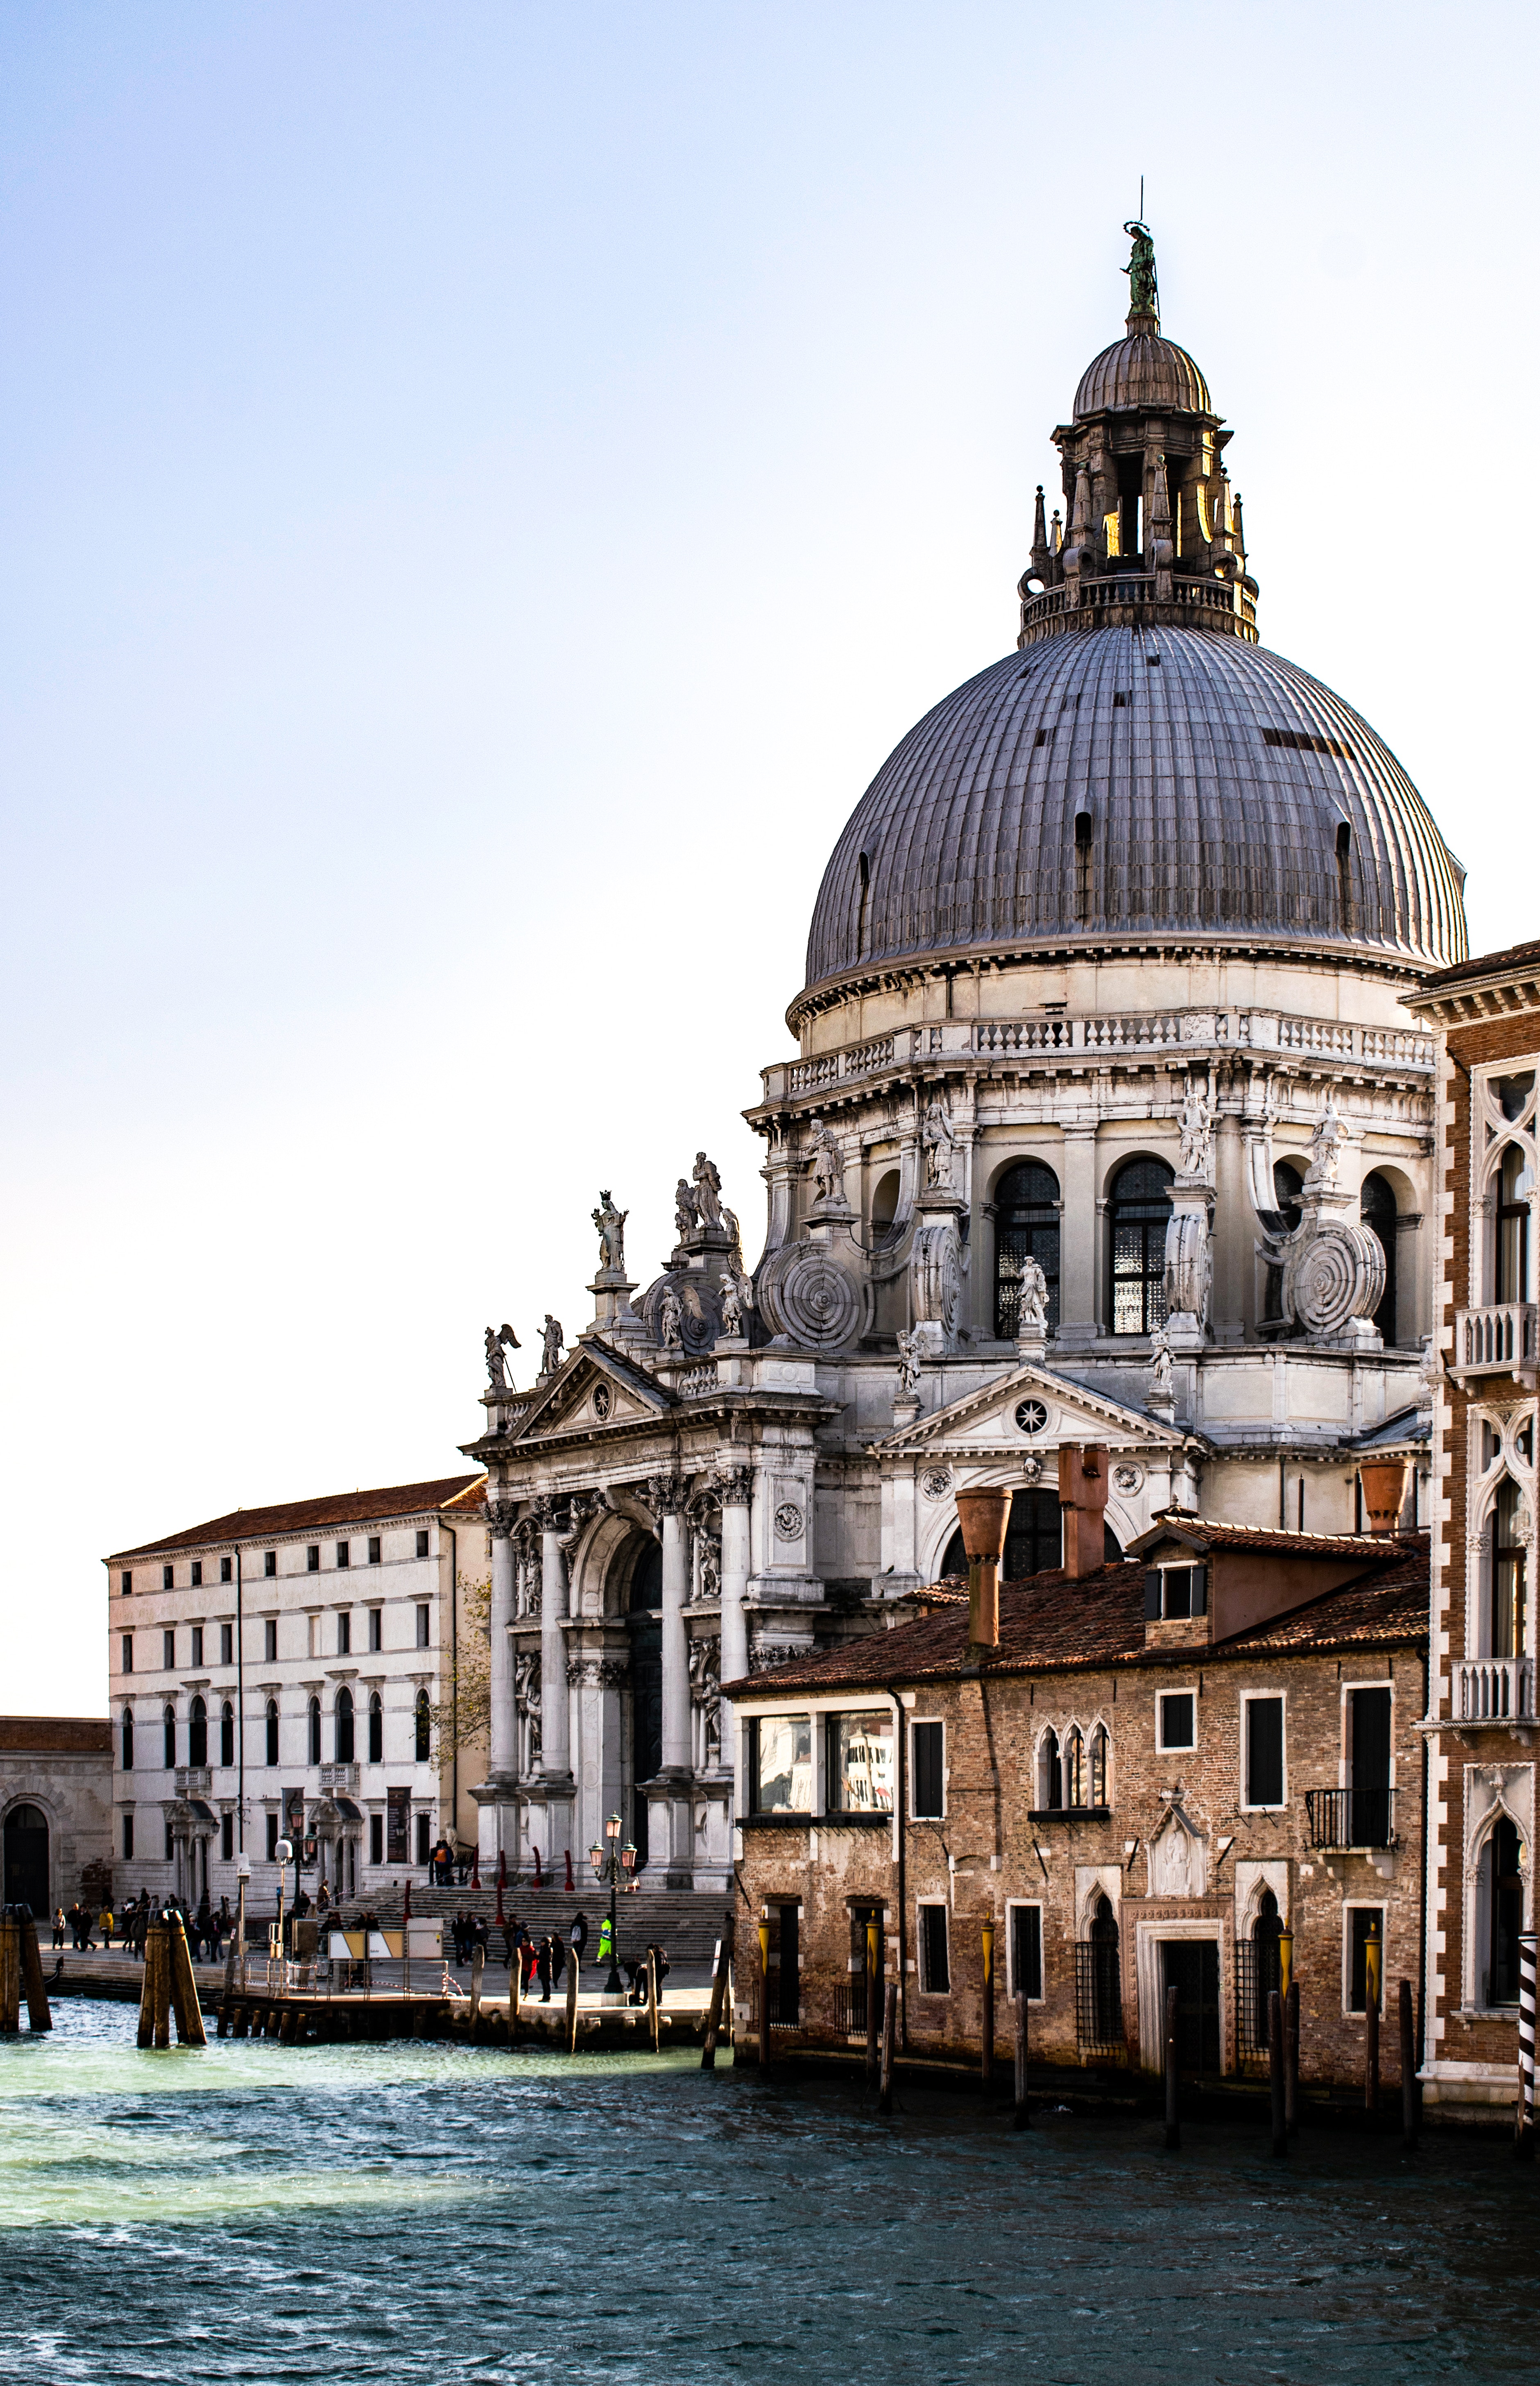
(315, 1515)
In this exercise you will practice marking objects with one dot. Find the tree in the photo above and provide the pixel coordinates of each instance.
(462, 1717)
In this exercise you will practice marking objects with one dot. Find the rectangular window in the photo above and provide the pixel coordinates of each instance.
(270, 1640)
(1361, 1919)
(344, 1553)
(422, 1639)
(226, 1570)
(345, 1636)
(422, 1545)
(227, 1838)
(1026, 1952)
(376, 1839)
(125, 1583)
(1177, 1711)
(376, 1622)
(169, 1650)
(781, 1764)
(170, 1842)
(312, 1558)
(227, 1644)
(167, 1577)
(269, 1563)
(128, 1838)
(424, 1841)
(927, 1746)
(374, 1549)
(196, 1659)
(1173, 1592)
(1264, 1752)
(273, 1839)
(935, 1976)
(398, 1804)
(197, 1573)
(858, 1763)
(128, 1653)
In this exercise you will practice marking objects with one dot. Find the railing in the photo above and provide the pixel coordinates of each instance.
(832, 1068)
(339, 1777)
(850, 2006)
(1097, 593)
(1351, 1819)
(1098, 1998)
(192, 1778)
(696, 1380)
(1494, 1689)
(1257, 1972)
(1497, 1340)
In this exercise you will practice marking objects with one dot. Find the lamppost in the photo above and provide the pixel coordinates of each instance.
(613, 1863)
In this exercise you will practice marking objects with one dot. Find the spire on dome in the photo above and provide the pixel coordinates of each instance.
(1144, 291)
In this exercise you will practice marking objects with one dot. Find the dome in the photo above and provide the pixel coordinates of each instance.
(1143, 369)
(1138, 781)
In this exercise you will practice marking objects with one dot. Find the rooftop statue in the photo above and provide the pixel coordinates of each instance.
(551, 1342)
(498, 1340)
(938, 1140)
(611, 1224)
(1325, 1150)
(686, 1208)
(1144, 295)
(1196, 1129)
(828, 1163)
(708, 1191)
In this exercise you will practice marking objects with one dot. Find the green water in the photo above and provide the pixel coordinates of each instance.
(421, 2213)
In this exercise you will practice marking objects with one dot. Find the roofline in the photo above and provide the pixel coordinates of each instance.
(197, 1538)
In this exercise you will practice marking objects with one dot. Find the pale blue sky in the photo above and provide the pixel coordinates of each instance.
(483, 490)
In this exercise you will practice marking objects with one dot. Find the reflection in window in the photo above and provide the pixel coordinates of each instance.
(1026, 1226)
(860, 1765)
(1050, 1773)
(1502, 1887)
(783, 1764)
(1140, 1213)
(1099, 1745)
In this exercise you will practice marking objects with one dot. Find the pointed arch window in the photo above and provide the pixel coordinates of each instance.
(1510, 1269)
(1139, 1215)
(197, 1732)
(227, 1734)
(314, 1716)
(376, 1729)
(342, 1720)
(1502, 1888)
(1100, 1750)
(1510, 1573)
(1074, 1767)
(270, 1720)
(1026, 1226)
(1050, 1773)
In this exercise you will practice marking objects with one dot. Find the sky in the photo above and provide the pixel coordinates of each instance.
(481, 491)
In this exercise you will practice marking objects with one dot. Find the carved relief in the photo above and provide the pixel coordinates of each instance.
(706, 1703)
(807, 1298)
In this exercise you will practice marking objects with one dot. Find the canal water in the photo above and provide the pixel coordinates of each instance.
(420, 2214)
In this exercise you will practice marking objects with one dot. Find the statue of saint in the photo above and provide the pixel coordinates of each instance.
(1160, 1362)
(686, 1208)
(828, 1164)
(1196, 1128)
(908, 1364)
(1326, 1149)
(708, 1191)
(498, 1338)
(550, 1350)
(735, 1255)
(939, 1142)
(732, 1308)
(611, 1224)
(1144, 297)
(1033, 1312)
(671, 1320)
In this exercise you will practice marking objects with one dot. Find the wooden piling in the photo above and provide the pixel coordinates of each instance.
(652, 1995)
(1021, 2117)
(1291, 2059)
(890, 2032)
(33, 1988)
(10, 1974)
(183, 1987)
(1174, 2112)
(986, 2032)
(874, 2007)
(571, 2003)
(713, 2018)
(764, 1997)
(478, 1964)
(154, 1994)
(1408, 2069)
(1371, 2057)
(1278, 2074)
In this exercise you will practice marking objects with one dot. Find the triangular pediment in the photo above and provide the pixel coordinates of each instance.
(595, 1389)
(991, 1418)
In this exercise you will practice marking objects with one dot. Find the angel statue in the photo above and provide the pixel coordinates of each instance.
(498, 1340)
(611, 1224)
(908, 1363)
(732, 1308)
(551, 1342)
(686, 1208)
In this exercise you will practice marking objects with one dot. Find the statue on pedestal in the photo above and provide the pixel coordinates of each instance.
(611, 1224)
(671, 1320)
(498, 1340)
(708, 1191)
(908, 1364)
(828, 1164)
(732, 1308)
(939, 1143)
(1159, 1365)
(686, 1209)
(1196, 1128)
(551, 1342)
(1326, 1149)
(1032, 1316)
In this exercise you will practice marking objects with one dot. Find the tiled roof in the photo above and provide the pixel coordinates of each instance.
(1509, 961)
(316, 1515)
(1052, 1624)
(1274, 1541)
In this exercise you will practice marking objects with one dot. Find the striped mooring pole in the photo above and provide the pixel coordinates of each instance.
(1524, 2127)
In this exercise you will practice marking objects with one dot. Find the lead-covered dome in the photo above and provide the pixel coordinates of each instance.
(1132, 782)
(1141, 371)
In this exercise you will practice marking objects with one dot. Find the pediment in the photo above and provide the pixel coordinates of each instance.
(1000, 1416)
(595, 1390)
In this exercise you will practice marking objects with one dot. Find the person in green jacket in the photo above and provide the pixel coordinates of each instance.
(607, 1945)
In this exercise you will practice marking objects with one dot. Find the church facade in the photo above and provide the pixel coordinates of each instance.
(1109, 1125)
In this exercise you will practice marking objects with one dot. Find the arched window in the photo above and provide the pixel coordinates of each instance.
(1510, 1586)
(344, 1726)
(197, 1732)
(1288, 1187)
(1026, 1226)
(1050, 1775)
(128, 1739)
(1074, 1767)
(1100, 1750)
(646, 1580)
(421, 1748)
(1377, 1209)
(884, 1205)
(1034, 1538)
(315, 1731)
(1510, 1270)
(227, 1734)
(1503, 1886)
(1266, 1965)
(1098, 1998)
(1139, 1215)
(376, 1729)
(271, 1720)
(169, 1732)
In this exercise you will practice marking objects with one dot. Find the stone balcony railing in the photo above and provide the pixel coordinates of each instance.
(1217, 604)
(1494, 1689)
(1498, 1341)
(339, 1777)
(1053, 1037)
(193, 1780)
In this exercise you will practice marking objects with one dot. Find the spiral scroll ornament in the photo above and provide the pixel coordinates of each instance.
(810, 1298)
(1335, 1275)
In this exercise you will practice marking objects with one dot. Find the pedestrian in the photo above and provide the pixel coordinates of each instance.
(106, 1926)
(559, 1959)
(542, 1966)
(59, 1925)
(605, 1955)
(579, 1933)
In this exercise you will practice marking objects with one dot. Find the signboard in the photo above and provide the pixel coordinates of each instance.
(397, 1826)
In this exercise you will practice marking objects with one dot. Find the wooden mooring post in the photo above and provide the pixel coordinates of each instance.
(890, 2032)
(1291, 2059)
(478, 1964)
(764, 1997)
(1409, 2068)
(652, 1995)
(10, 1974)
(713, 2020)
(21, 1973)
(1021, 2117)
(1278, 2073)
(571, 2003)
(1372, 1953)
(168, 1987)
(874, 2008)
(1174, 2084)
(1523, 2125)
(987, 2063)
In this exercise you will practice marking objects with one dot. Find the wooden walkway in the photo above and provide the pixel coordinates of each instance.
(308, 2017)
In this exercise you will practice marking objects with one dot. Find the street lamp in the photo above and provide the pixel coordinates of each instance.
(612, 1863)
(283, 1852)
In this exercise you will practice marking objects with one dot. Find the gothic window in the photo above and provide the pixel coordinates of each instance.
(1074, 1767)
(1026, 1226)
(227, 1734)
(197, 1733)
(1266, 1965)
(315, 1731)
(128, 1739)
(1509, 1586)
(1503, 1899)
(1377, 1209)
(1100, 1749)
(376, 1730)
(169, 1730)
(1139, 1215)
(344, 1721)
(422, 1742)
(1288, 1187)
(1050, 1775)
(1510, 1271)
(271, 1721)
(1098, 1994)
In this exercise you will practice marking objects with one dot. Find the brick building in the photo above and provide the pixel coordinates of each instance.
(1481, 1812)
(1159, 1766)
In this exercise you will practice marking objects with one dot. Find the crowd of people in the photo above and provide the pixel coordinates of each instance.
(542, 1961)
(207, 1926)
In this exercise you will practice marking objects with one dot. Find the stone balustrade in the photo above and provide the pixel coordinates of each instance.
(1494, 1689)
(1499, 1339)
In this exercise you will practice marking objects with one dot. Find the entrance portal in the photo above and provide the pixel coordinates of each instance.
(1191, 1967)
(26, 1859)
(647, 1687)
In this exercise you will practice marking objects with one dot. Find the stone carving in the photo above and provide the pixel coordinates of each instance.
(546, 1511)
(499, 1338)
(526, 1707)
(828, 1164)
(529, 1583)
(939, 1144)
(1176, 1860)
(735, 1255)
(1333, 1275)
(1189, 1259)
(708, 1191)
(732, 1308)
(935, 1281)
(698, 1379)
(581, 1508)
(1128, 1478)
(686, 1209)
(789, 1521)
(706, 1700)
(502, 1516)
(807, 1298)
(551, 1341)
(666, 1495)
(734, 1485)
(1030, 1415)
(1031, 1467)
(1430, 1379)
(1326, 1149)
(1033, 1315)
(671, 1320)
(1160, 1364)
(909, 1362)
(937, 1483)
(597, 1673)
(1144, 295)
(766, 1656)
(1195, 1131)
(604, 1400)
(611, 1224)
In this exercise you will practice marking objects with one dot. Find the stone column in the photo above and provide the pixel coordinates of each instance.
(556, 1740)
(1078, 1301)
(676, 1649)
(736, 1486)
(503, 1754)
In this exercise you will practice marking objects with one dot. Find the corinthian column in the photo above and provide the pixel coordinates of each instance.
(556, 1744)
(501, 1743)
(736, 1486)
(666, 1495)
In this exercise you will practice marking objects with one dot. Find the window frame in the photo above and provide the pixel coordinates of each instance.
(1164, 1747)
(127, 1652)
(423, 1549)
(832, 1718)
(227, 1644)
(345, 1632)
(312, 1557)
(195, 1660)
(1026, 1221)
(1015, 1905)
(374, 1549)
(195, 1575)
(168, 1647)
(128, 1838)
(1245, 1803)
(269, 1566)
(376, 1631)
(270, 1640)
(1150, 1277)
(923, 1906)
(926, 1723)
(424, 1624)
(344, 1556)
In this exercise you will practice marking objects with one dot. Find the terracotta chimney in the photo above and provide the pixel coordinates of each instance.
(982, 1515)
(1082, 1500)
(1385, 1491)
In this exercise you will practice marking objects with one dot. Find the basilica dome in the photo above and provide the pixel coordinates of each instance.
(1143, 369)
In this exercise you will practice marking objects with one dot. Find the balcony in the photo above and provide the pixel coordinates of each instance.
(339, 1777)
(1498, 1341)
(1494, 1689)
(193, 1780)
(1350, 1819)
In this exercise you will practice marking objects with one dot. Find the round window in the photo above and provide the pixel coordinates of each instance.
(1030, 1416)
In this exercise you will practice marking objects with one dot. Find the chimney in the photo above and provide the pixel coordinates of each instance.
(1385, 1491)
(982, 1515)
(1082, 1500)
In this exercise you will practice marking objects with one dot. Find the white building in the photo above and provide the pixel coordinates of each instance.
(274, 1672)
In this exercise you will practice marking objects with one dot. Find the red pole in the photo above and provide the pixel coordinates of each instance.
(538, 1881)
(476, 1868)
(569, 1881)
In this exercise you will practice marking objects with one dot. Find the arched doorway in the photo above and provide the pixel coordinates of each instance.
(645, 1623)
(26, 1859)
